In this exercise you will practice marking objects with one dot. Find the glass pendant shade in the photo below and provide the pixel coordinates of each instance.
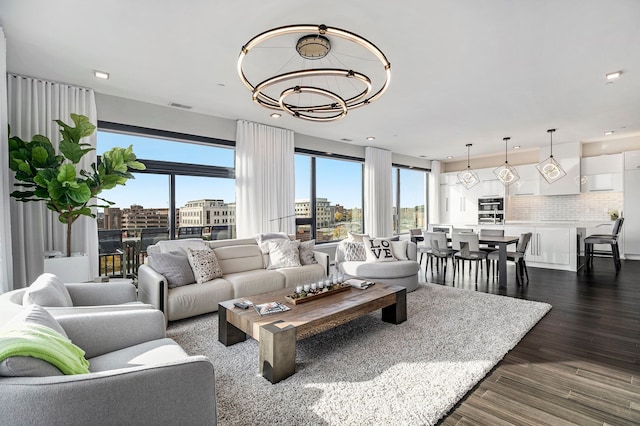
(506, 174)
(550, 169)
(468, 177)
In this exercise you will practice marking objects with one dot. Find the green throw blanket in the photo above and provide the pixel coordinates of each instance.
(44, 343)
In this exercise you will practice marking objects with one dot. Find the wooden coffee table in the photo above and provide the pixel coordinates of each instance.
(279, 332)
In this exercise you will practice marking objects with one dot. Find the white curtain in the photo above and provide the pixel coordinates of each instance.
(434, 193)
(6, 262)
(378, 194)
(33, 105)
(265, 187)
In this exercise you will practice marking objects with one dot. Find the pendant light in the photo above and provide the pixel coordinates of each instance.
(468, 177)
(550, 169)
(506, 173)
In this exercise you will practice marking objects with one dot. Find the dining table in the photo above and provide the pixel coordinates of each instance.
(502, 243)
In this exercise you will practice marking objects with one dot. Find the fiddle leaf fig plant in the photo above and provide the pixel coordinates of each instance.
(57, 179)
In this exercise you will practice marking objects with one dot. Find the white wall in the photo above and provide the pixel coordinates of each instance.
(127, 111)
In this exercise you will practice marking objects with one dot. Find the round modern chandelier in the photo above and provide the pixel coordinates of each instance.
(319, 73)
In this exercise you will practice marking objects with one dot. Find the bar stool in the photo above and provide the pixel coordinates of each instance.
(611, 239)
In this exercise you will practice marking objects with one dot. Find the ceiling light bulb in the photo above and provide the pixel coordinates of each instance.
(449, 157)
(516, 147)
(608, 132)
(276, 115)
(613, 75)
(101, 74)
(371, 138)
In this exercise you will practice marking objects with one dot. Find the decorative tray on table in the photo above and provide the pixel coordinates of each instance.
(304, 297)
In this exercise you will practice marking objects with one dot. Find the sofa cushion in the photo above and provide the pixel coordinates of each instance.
(147, 353)
(47, 290)
(174, 266)
(284, 253)
(352, 251)
(399, 249)
(302, 274)
(167, 246)
(26, 366)
(380, 270)
(249, 283)
(263, 239)
(240, 258)
(306, 252)
(204, 264)
(378, 250)
(196, 299)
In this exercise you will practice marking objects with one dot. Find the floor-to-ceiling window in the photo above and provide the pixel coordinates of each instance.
(187, 190)
(409, 199)
(328, 196)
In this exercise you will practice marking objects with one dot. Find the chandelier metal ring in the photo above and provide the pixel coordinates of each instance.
(261, 98)
(360, 99)
(317, 91)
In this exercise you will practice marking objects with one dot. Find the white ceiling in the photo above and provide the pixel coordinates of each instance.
(462, 71)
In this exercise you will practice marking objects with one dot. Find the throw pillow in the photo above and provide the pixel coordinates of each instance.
(283, 254)
(264, 239)
(353, 251)
(399, 249)
(378, 250)
(27, 366)
(352, 236)
(47, 290)
(174, 266)
(306, 252)
(204, 264)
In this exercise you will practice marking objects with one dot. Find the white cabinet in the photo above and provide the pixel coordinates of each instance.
(550, 246)
(529, 183)
(458, 205)
(631, 225)
(568, 155)
(489, 186)
(602, 173)
(632, 160)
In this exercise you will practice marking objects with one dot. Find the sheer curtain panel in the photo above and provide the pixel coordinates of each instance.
(434, 193)
(378, 194)
(265, 187)
(6, 262)
(33, 105)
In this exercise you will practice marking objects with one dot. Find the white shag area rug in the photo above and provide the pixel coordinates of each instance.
(368, 371)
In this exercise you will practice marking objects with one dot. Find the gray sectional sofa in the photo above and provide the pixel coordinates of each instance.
(244, 274)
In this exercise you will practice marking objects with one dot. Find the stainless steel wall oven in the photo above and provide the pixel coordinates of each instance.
(490, 210)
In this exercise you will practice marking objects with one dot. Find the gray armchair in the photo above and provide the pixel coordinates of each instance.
(137, 377)
(84, 298)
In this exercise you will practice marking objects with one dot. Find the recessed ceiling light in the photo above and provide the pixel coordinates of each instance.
(276, 115)
(371, 138)
(101, 74)
(329, 153)
(516, 147)
(613, 75)
(608, 132)
(449, 157)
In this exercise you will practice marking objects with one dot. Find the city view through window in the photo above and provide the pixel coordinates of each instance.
(205, 203)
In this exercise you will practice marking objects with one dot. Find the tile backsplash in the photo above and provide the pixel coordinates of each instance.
(592, 206)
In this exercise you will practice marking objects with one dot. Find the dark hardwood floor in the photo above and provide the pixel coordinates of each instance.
(579, 365)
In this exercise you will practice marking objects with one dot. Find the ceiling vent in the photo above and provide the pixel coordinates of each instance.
(177, 105)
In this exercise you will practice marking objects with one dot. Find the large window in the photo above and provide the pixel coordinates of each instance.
(409, 198)
(189, 183)
(328, 197)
